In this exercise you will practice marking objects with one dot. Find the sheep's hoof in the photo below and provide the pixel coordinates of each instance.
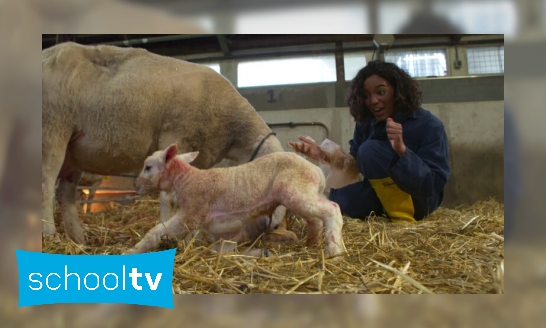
(76, 234)
(51, 237)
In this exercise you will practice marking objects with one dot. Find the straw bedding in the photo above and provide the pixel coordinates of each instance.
(453, 251)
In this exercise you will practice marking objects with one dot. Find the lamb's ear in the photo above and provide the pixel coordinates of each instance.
(189, 157)
(170, 153)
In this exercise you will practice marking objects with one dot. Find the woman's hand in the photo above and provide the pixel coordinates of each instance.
(308, 147)
(394, 134)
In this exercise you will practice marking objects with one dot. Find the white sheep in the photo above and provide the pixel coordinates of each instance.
(219, 202)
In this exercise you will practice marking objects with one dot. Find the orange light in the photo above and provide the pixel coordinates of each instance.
(115, 192)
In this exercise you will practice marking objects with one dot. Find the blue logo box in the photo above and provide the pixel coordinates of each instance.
(143, 279)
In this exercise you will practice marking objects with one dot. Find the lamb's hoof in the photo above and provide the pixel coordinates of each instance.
(312, 242)
(167, 243)
(334, 254)
(336, 258)
(261, 252)
(281, 236)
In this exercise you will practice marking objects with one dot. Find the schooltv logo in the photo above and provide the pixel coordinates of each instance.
(143, 279)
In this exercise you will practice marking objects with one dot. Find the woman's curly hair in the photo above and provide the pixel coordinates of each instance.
(407, 97)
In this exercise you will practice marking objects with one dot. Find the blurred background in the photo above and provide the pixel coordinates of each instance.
(523, 23)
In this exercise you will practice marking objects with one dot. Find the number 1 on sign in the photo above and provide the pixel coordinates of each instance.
(271, 94)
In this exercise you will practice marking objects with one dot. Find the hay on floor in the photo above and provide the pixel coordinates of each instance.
(453, 251)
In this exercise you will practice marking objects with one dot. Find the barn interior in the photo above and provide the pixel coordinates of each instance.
(297, 84)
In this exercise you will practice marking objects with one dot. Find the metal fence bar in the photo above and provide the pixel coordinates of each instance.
(105, 188)
(111, 200)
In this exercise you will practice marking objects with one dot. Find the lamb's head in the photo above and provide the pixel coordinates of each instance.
(161, 168)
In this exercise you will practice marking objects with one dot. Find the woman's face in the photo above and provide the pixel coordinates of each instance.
(379, 97)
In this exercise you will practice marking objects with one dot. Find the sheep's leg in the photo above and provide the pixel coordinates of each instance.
(67, 192)
(174, 227)
(6, 130)
(91, 195)
(48, 204)
(52, 162)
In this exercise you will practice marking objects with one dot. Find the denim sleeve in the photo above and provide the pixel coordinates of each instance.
(423, 173)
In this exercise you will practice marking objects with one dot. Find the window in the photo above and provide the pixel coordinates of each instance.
(287, 71)
(353, 62)
(420, 63)
(214, 66)
(485, 60)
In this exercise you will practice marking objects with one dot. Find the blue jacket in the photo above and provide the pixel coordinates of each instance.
(423, 170)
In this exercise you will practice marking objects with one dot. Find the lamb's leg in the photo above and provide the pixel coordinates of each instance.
(333, 225)
(258, 252)
(320, 208)
(174, 227)
(224, 246)
(67, 200)
(314, 229)
(251, 231)
(278, 231)
(229, 246)
(168, 206)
